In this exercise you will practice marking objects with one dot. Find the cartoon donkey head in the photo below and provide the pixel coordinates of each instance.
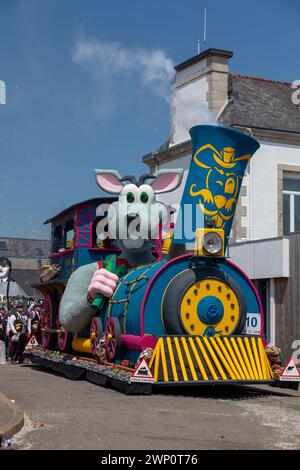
(135, 218)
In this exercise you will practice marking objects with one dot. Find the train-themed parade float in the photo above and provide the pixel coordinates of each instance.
(135, 312)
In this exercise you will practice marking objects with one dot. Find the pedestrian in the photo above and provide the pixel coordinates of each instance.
(3, 321)
(3, 318)
(33, 306)
(16, 330)
(3, 337)
(34, 322)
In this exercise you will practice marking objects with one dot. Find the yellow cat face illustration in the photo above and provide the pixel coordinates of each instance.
(219, 193)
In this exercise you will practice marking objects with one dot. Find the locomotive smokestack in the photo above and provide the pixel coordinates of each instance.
(209, 199)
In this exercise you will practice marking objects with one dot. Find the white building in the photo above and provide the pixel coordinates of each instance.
(206, 91)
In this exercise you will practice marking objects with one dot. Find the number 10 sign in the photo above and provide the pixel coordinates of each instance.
(253, 323)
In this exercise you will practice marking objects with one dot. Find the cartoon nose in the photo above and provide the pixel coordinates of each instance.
(131, 217)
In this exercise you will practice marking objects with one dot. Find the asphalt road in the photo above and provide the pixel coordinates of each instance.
(62, 414)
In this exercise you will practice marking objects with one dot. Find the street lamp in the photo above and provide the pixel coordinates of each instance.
(5, 270)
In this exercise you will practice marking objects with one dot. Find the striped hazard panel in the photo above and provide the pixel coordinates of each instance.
(219, 359)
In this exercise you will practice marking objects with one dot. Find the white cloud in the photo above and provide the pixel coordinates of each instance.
(105, 60)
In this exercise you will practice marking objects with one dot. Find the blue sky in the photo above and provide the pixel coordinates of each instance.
(87, 87)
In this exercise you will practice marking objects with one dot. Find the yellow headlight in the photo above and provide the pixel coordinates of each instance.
(209, 242)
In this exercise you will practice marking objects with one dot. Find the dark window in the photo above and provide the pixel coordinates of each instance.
(100, 227)
(39, 252)
(57, 238)
(297, 213)
(291, 183)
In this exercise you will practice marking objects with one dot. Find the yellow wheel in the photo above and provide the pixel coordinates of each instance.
(203, 301)
(209, 302)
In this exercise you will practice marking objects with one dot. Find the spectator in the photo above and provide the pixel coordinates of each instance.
(33, 326)
(16, 330)
(33, 306)
(3, 326)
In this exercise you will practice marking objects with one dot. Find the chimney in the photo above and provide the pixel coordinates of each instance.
(199, 91)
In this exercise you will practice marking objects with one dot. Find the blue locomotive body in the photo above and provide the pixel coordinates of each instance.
(149, 301)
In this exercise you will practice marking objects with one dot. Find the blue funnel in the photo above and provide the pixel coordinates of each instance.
(220, 157)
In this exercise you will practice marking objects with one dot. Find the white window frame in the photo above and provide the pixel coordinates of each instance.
(292, 194)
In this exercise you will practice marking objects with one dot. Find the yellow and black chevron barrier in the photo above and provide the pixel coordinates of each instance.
(182, 359)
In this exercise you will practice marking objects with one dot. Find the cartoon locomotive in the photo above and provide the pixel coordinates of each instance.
(188, 308)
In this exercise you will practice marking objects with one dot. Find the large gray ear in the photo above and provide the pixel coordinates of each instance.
(109, 181)
(166, 180)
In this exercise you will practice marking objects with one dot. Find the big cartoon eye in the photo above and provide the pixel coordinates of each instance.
(130, 197)
(146, 194)
(144, 197)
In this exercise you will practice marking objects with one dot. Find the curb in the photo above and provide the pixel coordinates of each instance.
(16, 422)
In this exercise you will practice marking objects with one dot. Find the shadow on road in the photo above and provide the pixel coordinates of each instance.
(221, 392)
(44, 370)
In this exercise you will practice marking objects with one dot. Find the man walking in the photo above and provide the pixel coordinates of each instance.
(17, 329)
(33, 324)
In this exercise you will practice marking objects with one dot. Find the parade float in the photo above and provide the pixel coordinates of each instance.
(173, 316)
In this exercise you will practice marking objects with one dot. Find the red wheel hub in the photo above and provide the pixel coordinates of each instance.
(46, 320)
(62, 335)
(96, 331)
(112, 337)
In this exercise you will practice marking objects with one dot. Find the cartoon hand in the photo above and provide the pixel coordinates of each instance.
(103, 282)
(205, 193)
(207, 196)
(229, 204)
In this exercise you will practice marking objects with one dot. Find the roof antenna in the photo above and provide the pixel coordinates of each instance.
(201, 42)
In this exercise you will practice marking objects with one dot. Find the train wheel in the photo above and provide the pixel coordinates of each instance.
(208, 302)
(47, 321)
(112, 338)
(96, 331)
(64, 338)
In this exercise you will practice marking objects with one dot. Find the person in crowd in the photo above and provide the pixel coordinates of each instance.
(34, 320)
(17, 330)
(33, 306)
(3, 326)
